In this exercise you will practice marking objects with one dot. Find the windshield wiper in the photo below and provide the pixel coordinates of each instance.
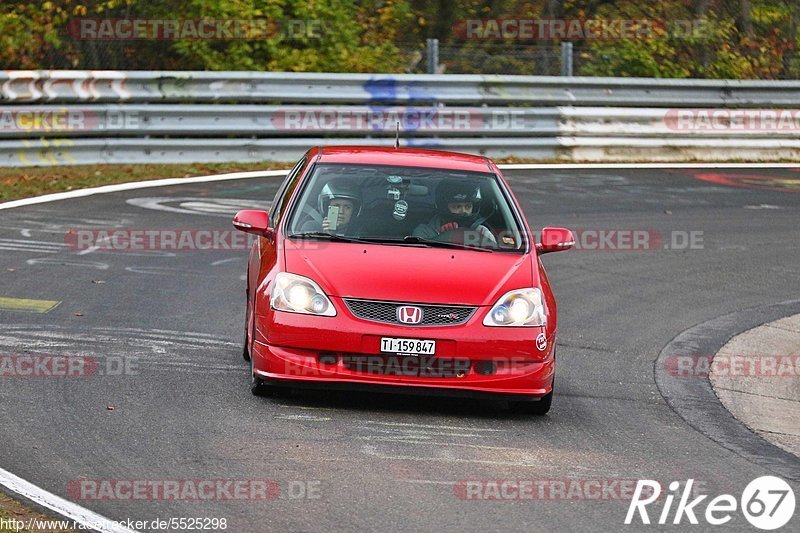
(413, 239)
(409, 239)
(325, 236)
(443, 244)
(341, 238)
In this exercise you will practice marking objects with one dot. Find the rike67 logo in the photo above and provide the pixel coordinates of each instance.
(767, 503)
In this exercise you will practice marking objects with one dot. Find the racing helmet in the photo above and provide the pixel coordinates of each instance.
(339, 189)
(450, 191)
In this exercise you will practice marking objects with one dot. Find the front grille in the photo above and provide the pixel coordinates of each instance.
(432, 315)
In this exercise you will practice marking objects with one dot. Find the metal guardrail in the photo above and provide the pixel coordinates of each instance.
(88, 117)
(60, 86)
(160, 120)
(138, 120)
(114, 151)
(101, 151)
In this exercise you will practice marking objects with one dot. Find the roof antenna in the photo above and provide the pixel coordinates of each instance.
(397, 135)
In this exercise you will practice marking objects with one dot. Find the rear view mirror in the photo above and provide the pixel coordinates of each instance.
(252, 221)
(555, 240)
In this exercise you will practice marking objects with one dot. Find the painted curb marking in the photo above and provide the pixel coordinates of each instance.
(27, 305)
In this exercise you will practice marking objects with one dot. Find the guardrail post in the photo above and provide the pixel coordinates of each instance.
(433, 55)
(566, 58)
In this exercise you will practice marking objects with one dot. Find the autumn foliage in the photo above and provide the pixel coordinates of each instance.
(740, 39)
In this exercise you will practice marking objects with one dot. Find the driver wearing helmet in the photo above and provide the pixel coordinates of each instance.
(457, 207)
(344, 196)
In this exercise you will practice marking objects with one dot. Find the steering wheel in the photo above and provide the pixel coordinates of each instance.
(456, 235)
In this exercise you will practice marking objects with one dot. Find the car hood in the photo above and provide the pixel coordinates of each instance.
(409, 273)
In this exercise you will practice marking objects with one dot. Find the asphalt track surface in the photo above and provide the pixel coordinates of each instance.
(382, 462)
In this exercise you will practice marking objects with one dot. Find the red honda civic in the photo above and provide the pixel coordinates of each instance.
(403, 270)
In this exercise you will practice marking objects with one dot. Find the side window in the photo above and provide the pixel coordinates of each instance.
(284, 192)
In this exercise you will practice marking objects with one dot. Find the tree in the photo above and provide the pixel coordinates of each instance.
(693, 38)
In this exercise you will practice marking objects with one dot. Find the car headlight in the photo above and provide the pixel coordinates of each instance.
(521, 307)
(296, 294)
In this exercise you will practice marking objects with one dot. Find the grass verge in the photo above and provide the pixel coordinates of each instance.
(24, 182)
(14, 513)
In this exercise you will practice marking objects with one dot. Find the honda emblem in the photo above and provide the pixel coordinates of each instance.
(408, 314)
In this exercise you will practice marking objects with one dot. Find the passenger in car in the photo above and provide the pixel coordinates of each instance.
(346, 199)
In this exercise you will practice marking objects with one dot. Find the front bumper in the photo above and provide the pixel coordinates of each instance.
(344, 352)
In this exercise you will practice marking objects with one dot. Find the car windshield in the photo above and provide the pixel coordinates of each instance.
(408, 206)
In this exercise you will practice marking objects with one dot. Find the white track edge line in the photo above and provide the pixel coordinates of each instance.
(72, 511)
(80, 193)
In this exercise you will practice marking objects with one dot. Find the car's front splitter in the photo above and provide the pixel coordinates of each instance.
(297, 367)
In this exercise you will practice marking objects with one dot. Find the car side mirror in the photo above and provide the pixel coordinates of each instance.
(252, 221)
(555, 240)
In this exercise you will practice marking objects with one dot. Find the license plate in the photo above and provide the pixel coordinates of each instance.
(407, 346)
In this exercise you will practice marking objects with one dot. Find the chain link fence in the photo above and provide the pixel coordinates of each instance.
(538, 60)
(499, 58)
(414, 57)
